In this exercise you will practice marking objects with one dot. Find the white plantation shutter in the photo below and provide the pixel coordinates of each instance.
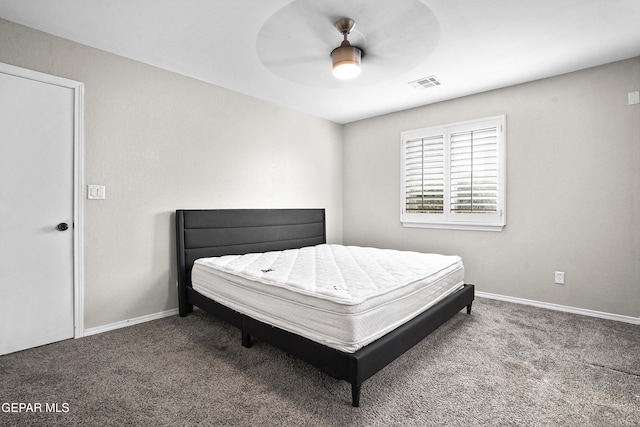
(424, 175)
(474, 171)
(453, 176)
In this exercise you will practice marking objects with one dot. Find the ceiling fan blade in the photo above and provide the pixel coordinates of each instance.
(292, 60)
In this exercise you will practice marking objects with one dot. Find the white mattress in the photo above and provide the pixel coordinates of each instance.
(341, 296)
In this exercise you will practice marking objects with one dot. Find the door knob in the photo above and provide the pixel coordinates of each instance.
(63, 226)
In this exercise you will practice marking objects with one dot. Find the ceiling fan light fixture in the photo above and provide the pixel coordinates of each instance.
(346, 58)
(346, 62)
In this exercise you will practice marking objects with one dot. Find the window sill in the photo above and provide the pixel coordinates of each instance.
(453, 226)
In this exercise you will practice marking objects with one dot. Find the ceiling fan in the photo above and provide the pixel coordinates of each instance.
(299, 44)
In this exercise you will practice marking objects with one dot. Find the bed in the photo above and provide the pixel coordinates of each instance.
(234, 234)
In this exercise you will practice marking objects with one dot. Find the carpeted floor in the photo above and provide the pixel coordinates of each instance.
(504, 365)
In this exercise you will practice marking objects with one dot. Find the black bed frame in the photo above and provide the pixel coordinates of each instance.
(208, 233)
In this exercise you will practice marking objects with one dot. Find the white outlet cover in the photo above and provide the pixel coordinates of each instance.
(634, 97)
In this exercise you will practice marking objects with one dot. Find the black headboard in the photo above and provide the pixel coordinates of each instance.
(208, 233)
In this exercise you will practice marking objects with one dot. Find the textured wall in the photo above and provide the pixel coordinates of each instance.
(160, 142)
(573, 204)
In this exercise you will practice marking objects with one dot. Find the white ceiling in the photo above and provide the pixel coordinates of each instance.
(278, 50)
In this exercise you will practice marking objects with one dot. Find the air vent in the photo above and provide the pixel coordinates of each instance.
(425, 82)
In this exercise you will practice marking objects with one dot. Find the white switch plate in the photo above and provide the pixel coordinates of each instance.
(96, 192)
(634, 97)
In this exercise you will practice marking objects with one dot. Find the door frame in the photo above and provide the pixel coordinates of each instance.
(78, 182)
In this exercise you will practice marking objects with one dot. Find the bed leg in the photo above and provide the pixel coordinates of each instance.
(355, 395)
(185, 309)
(469, 308)
(246, 339)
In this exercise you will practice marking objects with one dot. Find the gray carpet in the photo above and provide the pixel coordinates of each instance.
(505, 364)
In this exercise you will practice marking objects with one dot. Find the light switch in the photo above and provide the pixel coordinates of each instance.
(634, 97)
(96, 192)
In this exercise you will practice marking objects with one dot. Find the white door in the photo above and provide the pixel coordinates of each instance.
(37, 200)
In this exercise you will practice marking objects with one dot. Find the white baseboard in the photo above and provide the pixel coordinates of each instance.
(557, 307)
(129, 322)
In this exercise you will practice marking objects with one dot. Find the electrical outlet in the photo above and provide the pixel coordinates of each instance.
(559, 277)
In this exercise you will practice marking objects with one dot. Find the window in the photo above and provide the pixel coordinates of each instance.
(454, 176)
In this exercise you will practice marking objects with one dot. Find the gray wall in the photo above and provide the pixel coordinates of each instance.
(161, 142)
(573, 201)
